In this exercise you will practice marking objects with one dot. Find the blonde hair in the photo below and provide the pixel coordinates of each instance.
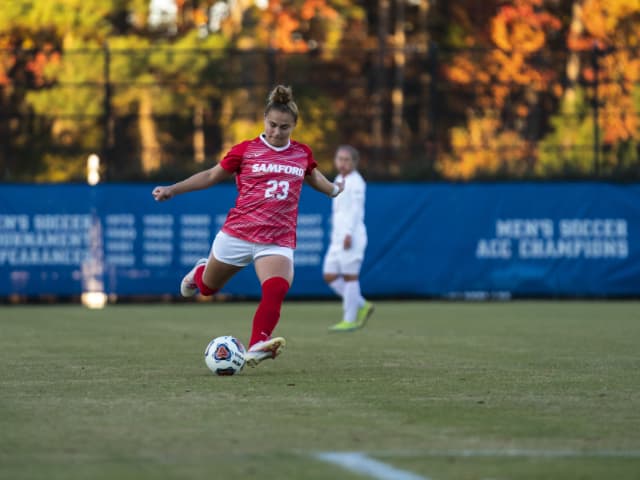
(281, 99)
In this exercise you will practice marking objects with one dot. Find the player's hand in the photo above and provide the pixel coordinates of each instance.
(347, 242)
(340, 186)
(162, 193)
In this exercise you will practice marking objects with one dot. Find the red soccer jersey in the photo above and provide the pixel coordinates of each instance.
(269, 182)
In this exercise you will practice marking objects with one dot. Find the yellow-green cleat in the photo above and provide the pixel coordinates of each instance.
(344, 327)
(364, 312)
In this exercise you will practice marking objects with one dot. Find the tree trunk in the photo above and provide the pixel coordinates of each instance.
(377, 123)
(425, 80)
(198, 134)
(397, 94)
(576, 28)
(151, 152)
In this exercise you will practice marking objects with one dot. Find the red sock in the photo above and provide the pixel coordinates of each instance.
(204, 290)
(268, 313)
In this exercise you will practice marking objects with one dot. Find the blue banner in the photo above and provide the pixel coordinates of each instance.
(445, 240)
(525, 239)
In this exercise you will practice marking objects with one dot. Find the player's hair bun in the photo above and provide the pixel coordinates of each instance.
(281, 98)
(281, 94)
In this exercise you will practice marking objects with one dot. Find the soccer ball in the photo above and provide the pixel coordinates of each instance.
(225, 355)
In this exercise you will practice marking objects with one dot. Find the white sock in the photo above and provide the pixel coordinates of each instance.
(352, 300)
(338, 286)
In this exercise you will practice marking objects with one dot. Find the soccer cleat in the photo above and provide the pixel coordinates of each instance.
(364, 312)
(188, 287)
(344, 326)
(263, 350)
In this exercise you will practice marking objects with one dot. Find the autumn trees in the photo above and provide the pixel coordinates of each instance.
(556, 93)
(427, 90)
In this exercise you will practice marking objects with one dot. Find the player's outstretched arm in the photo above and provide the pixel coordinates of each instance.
(320, 183)
(198, 181)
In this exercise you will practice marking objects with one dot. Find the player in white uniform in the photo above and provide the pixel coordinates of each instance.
(344, 257)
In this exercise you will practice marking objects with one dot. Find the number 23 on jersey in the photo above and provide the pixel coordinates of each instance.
(277, 189)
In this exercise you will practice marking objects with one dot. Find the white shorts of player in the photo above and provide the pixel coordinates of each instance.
(345, 262)
(241, 253)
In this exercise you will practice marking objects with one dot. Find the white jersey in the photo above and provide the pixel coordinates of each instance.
(347, 216)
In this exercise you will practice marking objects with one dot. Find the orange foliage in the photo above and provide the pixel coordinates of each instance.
(7, 61)
(38, 64)
(199, 16)
(611, 28)
(461, 70)
(522, 27)
(483, 147)
(505, 77)
(284, 22)
(312, 8)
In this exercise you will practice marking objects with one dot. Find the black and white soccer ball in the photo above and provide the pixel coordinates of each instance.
(225, 355)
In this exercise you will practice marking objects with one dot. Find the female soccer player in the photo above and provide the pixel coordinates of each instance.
(261, 228)
(348, 242)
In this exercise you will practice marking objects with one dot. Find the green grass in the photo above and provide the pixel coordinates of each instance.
(124, 392)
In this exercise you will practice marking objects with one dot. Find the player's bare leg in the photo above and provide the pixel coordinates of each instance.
(217, 273)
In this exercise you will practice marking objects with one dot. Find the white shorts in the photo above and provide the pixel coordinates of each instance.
(344, 262)
(241, 253)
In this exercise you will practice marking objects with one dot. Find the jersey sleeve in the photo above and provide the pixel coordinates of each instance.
(311, 162)
(233, 159)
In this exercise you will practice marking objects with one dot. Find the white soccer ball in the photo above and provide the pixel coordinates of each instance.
(225, 355)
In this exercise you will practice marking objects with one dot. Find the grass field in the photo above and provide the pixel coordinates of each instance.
(519, 390)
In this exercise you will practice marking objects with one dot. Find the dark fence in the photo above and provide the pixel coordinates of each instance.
(163, 113)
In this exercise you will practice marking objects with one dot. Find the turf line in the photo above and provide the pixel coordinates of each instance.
(360, 463)
(510, 452)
